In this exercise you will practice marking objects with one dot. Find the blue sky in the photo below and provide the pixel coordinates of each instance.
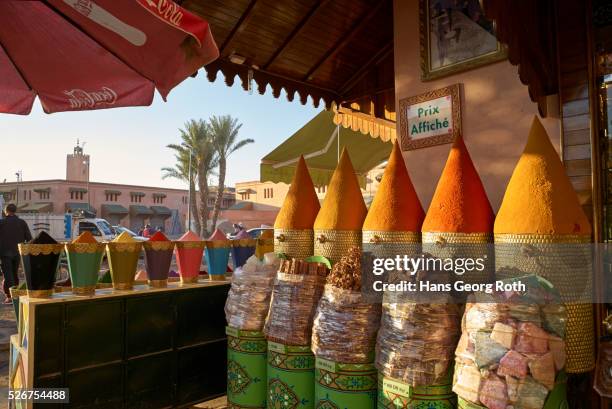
(127, 145)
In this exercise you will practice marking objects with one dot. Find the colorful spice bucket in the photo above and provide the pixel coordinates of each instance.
(394, 394)
(84, 261)
(341, 385)
(241, 251)
(40, 263)
(15, 294)
(189, 259)
(158, 257)
(246, 369)
(123, 261)
(217, 256)
(291, 380)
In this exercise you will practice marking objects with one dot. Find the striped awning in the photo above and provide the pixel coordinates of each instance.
(366, 124)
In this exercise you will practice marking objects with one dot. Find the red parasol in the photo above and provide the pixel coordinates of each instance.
(85, 54)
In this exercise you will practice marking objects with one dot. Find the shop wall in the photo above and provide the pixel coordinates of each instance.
(497, 113)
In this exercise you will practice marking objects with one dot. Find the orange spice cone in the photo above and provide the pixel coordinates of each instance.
(541, 229)
(293, 234)
(393, 223)
(459, 222)
(338, 224)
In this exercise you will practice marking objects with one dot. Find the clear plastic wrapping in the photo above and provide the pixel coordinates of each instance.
(510, 351)
(416, 342)
(295, 296)
(248, 300)
(345, 326)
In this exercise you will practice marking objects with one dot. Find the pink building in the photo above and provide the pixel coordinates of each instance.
(127, 205)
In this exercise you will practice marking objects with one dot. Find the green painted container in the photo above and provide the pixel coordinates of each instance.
(394, 394)
(342, 385)
(291, 377)
(246, 369)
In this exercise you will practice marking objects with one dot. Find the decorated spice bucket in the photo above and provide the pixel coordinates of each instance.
(242, 249)
(189, 251)
(123, 253)
(246, 369)
(40, 259)
(217, 255)
(291, 380)
(17, 292)
(394, 394)
(158, 257)
(340, 385)
(84, 258)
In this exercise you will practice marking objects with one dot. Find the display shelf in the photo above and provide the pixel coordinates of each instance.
(145, 348)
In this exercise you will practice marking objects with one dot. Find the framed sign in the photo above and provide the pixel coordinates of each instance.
(429, 119)
(456, 36)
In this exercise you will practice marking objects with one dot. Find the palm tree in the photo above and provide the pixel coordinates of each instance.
(180, 171)
(224, 136)
(195, 139)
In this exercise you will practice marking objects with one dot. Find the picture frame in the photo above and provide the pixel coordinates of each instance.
(456, 39)
(420, 115)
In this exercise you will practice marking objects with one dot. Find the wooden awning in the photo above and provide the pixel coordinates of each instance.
(528, 28)
(336, 52)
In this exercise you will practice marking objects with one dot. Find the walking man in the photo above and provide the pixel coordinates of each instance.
(13, 231)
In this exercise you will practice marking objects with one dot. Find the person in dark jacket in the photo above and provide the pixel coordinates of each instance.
(13, 231)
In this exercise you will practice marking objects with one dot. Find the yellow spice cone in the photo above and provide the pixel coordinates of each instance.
(338, 224)
(541, 213)
(396, 215)
(293, 234)
(540, 198)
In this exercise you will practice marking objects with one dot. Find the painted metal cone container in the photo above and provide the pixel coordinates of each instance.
(84, 256)
(40, 260)
(217, 252)
(393, 223)
(17, 292)
(291, 376)
(337, 227)
(123, 253)
(189, 251)
(158, 258)
(293, 233)
(241, 251)
(345, 385)
(265, 244)
(459, 221)
(246, 369)
(541, 229)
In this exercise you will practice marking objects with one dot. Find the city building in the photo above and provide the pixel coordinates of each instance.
(128, 205)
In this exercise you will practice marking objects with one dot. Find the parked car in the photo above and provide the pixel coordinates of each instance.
(120, 229)
(257, 231)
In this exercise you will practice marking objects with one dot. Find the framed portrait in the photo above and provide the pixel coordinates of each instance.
(456, 36)
(432, 118)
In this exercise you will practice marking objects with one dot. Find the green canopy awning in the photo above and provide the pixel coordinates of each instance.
(318, 142)
(115, 209)
(241, 206)
(72, 207)
(45, 207)
(139, 210)
(162, 211)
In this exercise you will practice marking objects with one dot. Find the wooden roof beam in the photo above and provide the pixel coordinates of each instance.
(296, 31)
(344, 41)
(376, 58)
(238, 28)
